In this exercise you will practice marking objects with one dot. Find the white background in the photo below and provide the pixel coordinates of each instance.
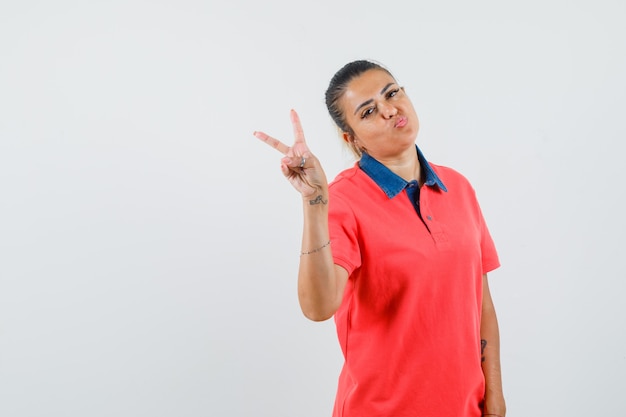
(149, 244)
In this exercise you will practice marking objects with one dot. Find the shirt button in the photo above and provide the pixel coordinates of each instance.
(429, 218)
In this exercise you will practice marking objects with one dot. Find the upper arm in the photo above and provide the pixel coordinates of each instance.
(487, 300)
(341, 276)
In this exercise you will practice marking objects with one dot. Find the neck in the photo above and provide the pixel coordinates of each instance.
(408, 168)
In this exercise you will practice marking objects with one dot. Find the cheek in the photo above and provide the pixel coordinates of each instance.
(366, 132)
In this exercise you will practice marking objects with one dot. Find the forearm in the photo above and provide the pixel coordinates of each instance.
(490, 343)
(319, 291)
(320, 282)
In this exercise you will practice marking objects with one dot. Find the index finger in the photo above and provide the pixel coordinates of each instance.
(273, 142)
(298, 133)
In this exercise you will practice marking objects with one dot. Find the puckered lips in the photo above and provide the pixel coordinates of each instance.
(401, 122)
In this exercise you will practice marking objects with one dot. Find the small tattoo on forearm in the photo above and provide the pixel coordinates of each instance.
(318, 200)
(483, 345)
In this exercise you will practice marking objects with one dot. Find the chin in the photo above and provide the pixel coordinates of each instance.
(412, 132)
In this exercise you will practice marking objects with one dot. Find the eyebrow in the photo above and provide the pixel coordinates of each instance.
(365, 103)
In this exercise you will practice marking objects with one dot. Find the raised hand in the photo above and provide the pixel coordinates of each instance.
(299, 165)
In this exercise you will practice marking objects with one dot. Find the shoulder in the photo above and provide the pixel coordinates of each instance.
(353, 188)
(346, 179)
(451, 177)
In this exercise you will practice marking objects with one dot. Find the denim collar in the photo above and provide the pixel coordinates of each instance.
(391, 183)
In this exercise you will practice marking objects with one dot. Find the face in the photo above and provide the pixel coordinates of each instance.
(380, 114)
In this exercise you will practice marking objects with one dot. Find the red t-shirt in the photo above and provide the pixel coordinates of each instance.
(409, 323)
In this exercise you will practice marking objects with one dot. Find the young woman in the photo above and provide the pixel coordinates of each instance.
(397, 250)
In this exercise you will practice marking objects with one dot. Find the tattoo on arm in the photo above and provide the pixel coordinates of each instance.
(318, 200)
(483, 345)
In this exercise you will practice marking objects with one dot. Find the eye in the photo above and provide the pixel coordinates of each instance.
(367, 112)
(393, 93)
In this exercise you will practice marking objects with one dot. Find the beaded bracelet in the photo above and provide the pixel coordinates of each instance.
(315, 250)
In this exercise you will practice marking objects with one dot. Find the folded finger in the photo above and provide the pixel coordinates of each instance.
(298, 162)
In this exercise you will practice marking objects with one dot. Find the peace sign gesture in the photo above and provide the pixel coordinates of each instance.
(299, 165)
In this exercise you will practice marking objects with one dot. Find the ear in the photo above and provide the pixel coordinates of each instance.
(347, 137)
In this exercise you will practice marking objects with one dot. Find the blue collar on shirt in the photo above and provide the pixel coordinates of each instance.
(391, 183)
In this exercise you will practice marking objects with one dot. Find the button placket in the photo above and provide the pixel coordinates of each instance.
(430, 220)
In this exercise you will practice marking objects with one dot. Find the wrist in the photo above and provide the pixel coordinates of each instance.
(318, 198)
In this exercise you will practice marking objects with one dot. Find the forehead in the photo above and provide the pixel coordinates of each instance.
(366, 86)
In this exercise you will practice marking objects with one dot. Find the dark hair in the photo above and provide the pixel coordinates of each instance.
(338, 85)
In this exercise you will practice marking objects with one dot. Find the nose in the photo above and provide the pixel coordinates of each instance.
(388, 111)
